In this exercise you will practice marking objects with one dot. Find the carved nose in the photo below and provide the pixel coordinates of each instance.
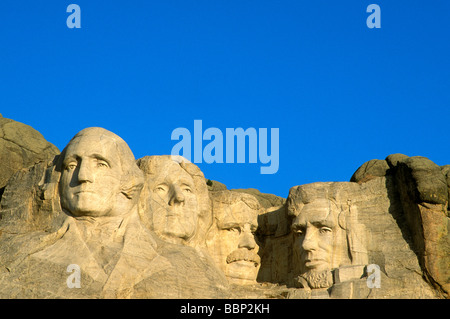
(85, 173)
(247, 239)
(310, 241)
(176, 197)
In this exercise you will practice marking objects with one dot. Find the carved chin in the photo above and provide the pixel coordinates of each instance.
(175, 233)
(173, 223)
(175, 228)
(86, 204)
(242, 271)
(318, 279)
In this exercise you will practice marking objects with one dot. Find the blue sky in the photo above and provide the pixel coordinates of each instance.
(340, 93)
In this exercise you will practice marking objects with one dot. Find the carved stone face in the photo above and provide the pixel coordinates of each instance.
(234, 246)
(91, 176)
(314, 230)
(319, 242)
(173, 202)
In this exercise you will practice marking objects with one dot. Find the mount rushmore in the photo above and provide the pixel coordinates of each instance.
(92, 221)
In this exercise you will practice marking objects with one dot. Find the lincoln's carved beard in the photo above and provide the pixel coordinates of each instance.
(318, 279)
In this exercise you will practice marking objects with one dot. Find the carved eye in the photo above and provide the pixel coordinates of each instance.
(234, 230)
(71, 166)
(299, 230)
(187, 189)
(160, 189)
(102, 165)
(325, 230)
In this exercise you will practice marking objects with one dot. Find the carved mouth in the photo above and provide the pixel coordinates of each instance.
(314, 263)
(177, 212)
(84, 192)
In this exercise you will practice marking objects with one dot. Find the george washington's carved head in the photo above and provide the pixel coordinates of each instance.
(99, 176)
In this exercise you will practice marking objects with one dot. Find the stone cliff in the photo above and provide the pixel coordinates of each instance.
(93, 222)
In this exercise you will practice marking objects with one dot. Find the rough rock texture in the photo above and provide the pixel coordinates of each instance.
(369, 170)
(380, 226)
(94, 223)
(215, 185)
(446, 172)
(21, 146)
(394, 159)
(424, 195)
(266, 200)
(175, 200)
(231, 240)
(421, 188)
(55, 220)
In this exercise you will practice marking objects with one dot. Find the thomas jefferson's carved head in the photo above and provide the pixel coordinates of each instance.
(175, 202)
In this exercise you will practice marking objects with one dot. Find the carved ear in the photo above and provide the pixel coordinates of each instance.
(131, 188)
(132, 182)
(128, 192)
(344, 215)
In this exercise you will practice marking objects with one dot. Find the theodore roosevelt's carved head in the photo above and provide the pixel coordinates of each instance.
(232, 241)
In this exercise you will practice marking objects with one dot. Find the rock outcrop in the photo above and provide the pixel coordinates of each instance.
(422, 190)
(92, 222)
(21, 146)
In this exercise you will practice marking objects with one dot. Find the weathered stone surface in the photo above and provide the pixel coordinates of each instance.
(376, 215)
(97, 231)
(426, 178)
(215, 186)
(421, 189)
(394, 159)
(369, 170)
(327, 233)
(21, 146)
(175, 200)
(156, 228)
(348, 273)
(266, 200)
(446, 172)
(423, 193)
(232, 241)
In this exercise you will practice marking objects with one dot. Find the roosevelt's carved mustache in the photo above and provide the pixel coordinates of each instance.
(244, 254)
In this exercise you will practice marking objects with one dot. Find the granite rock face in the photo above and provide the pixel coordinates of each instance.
(21, 146)
(80, 214)
(421, 188)
(446, 172)
(93, 222)
(369, 170)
